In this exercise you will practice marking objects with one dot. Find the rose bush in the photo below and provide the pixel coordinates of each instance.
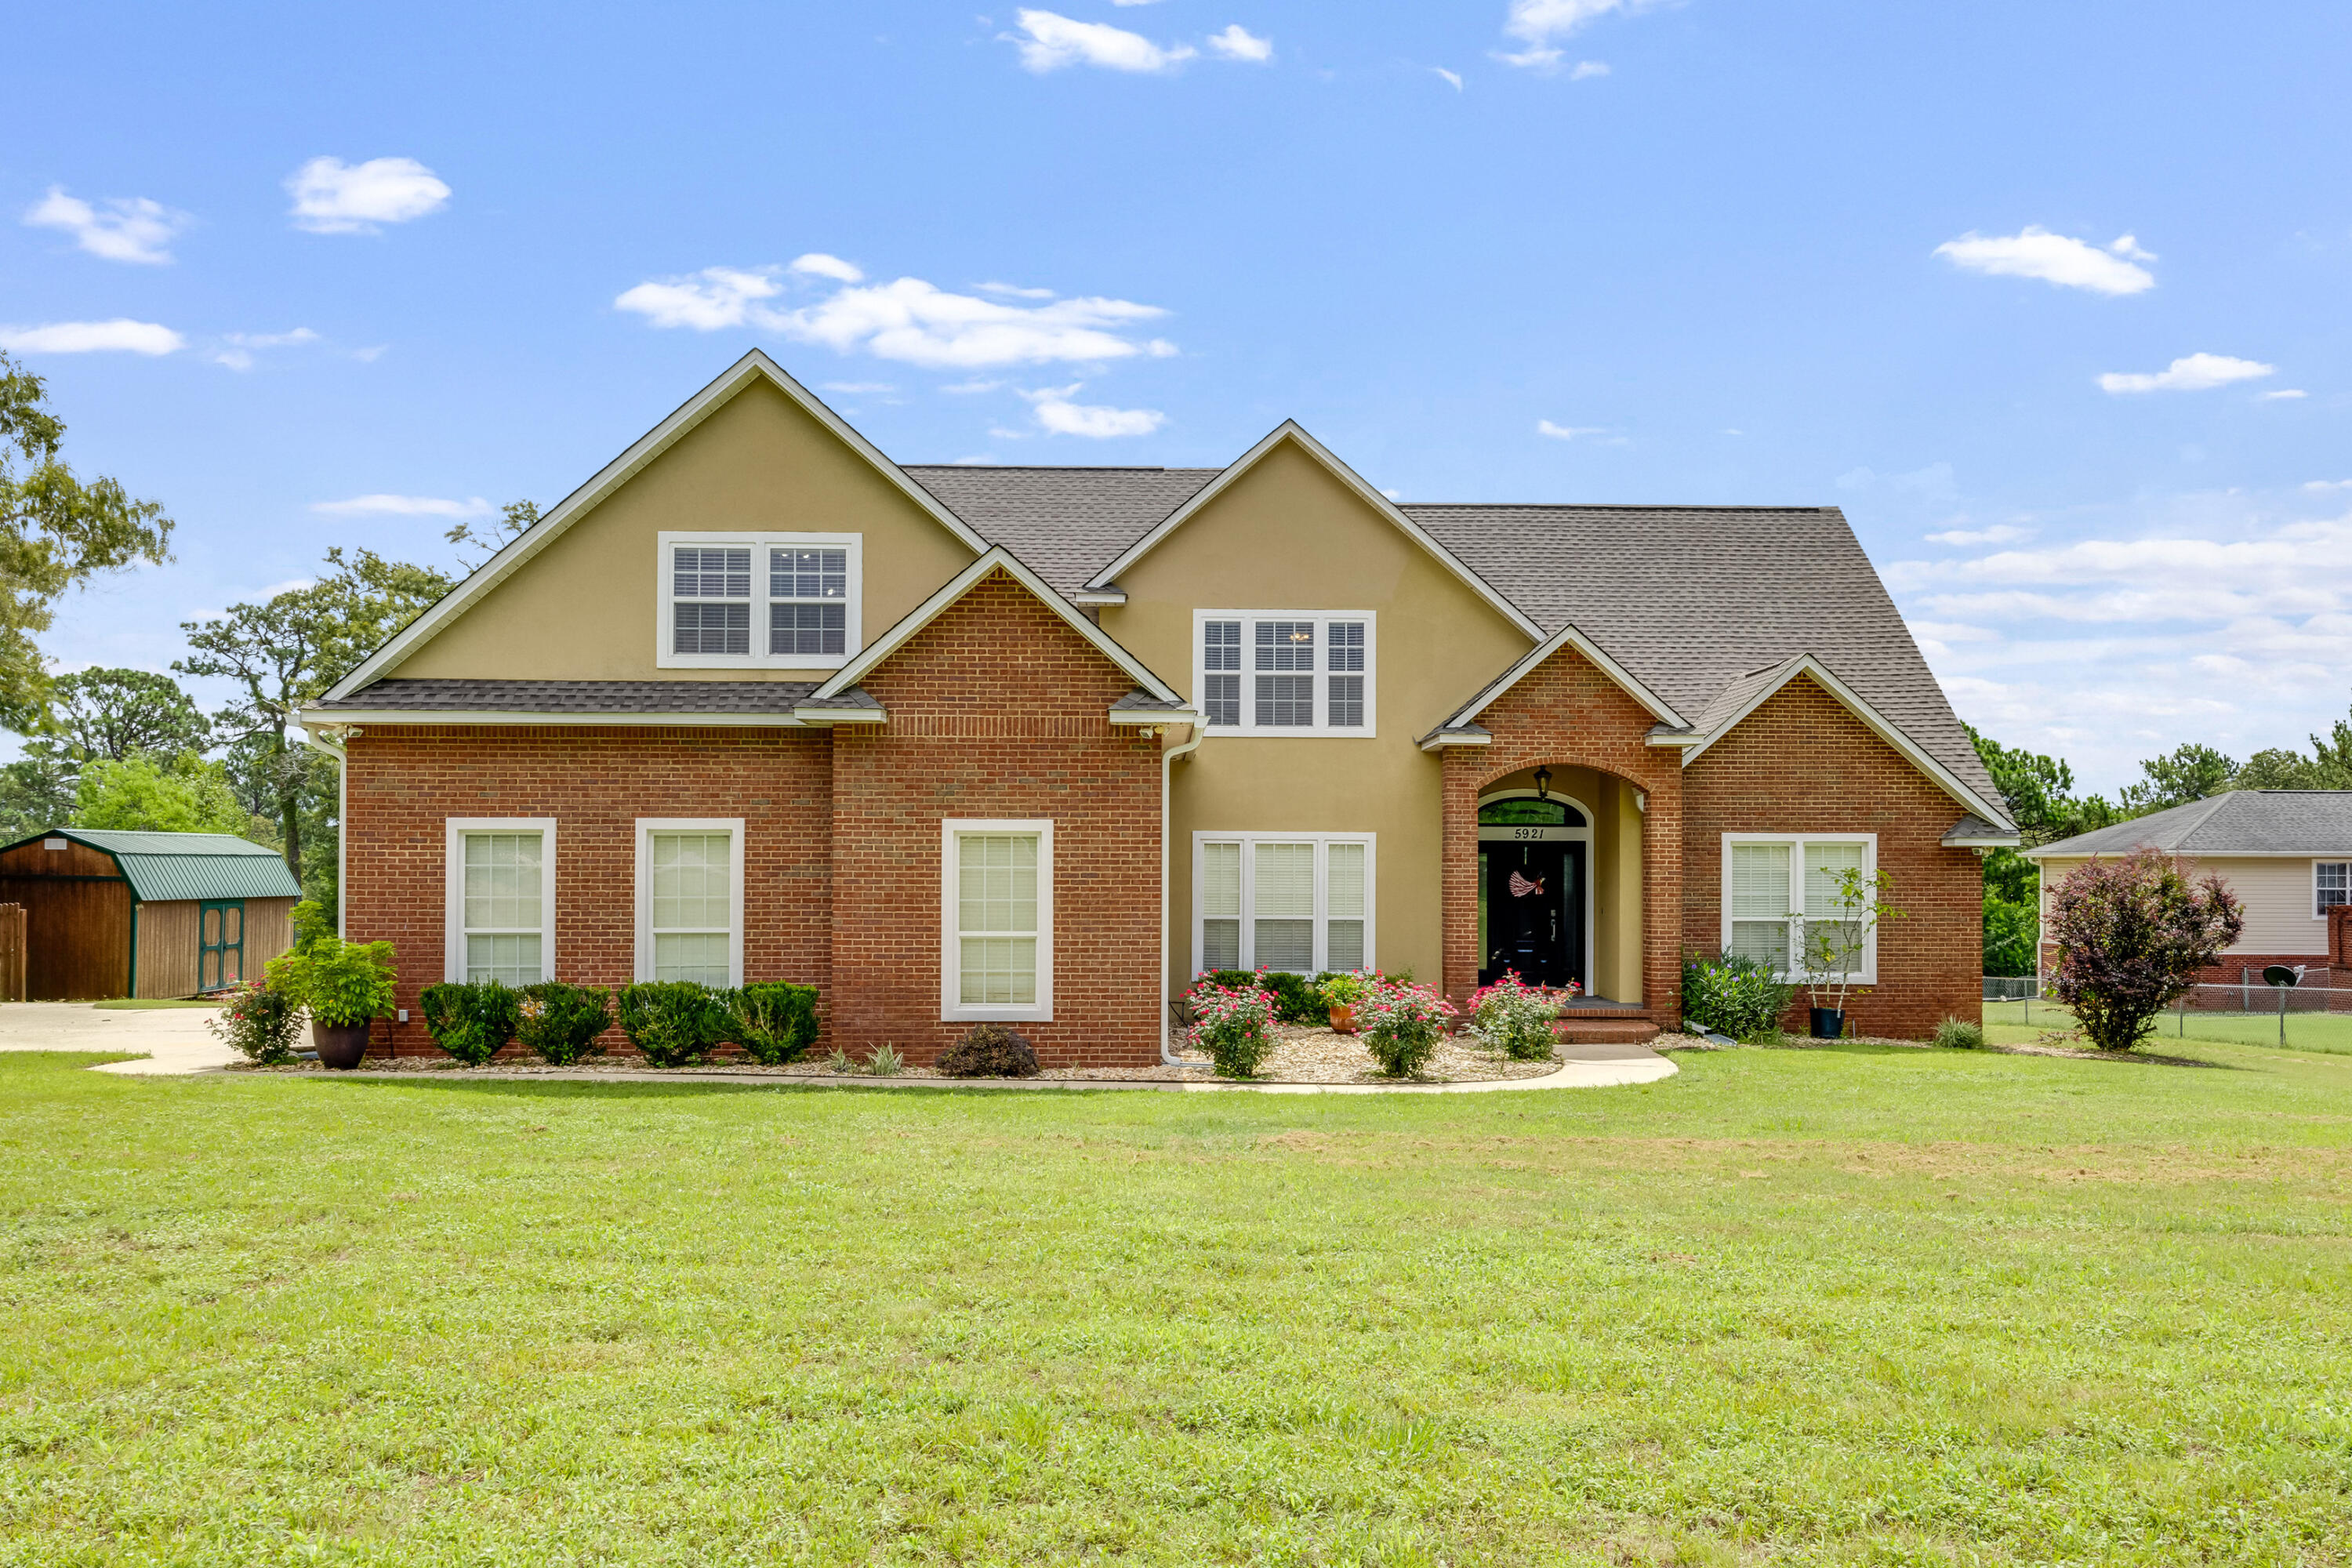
(1232, 1024)
(1400, 1023)
(1516, 1018)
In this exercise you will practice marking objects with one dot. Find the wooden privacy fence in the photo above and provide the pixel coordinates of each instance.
(11, 952)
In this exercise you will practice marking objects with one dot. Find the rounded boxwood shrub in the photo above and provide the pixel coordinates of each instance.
(1296, 998)
(561, 1023)
(775, 1022)
(675, 1023)
(471, 1020)
(990, 1051)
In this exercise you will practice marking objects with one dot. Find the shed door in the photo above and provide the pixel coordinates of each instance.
(220, 945)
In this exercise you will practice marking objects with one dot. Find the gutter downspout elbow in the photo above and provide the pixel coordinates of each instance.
(1167, 770)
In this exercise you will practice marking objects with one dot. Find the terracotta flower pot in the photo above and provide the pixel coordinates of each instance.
(1343, 1018)
(341, 1046)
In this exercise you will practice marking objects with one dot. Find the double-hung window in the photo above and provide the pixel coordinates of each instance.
(690, 900)
(1295, 901)
(1776, 886)
(997, 918)
(2331, 882)
(750, 601)
(1285, 672)
(500, 919)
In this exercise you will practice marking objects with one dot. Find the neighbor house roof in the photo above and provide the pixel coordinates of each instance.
(2242, 822)
(164, 866)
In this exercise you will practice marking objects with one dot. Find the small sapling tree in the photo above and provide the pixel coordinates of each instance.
(2131, 935)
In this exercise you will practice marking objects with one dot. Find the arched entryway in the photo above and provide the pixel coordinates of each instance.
(1534, 887)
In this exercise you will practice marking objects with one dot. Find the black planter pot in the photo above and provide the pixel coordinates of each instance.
(341, 1046)
(1829, 1022)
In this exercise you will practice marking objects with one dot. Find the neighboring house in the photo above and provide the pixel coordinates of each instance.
(117, 913)
(1038, 744)
(2285, 853)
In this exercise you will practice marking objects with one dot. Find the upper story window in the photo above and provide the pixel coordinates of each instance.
(778, 601)
(1285, 672)
(2331, 885)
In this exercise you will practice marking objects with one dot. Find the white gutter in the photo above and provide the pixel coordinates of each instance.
(343, 816)
(1167, 770)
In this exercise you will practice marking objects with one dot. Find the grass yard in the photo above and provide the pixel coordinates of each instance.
(1843, 1304)
(2014, 1023)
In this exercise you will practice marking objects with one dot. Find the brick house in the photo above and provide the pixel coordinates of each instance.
(1038, 744)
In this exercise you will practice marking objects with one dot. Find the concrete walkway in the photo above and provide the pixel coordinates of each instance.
(173, 1038)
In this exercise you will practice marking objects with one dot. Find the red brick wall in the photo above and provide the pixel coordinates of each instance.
(1568, 713)
(998, 709)
(404, 781)
(1801, 763)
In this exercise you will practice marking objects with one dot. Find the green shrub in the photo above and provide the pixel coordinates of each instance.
(561, 1023)
(675, 1022)
(1516, 1018)
(1296, 998)
(1733, 995)
(775, 1022)
(990, 1051)
(471, 1020)
(1960, 1035)
(1400, 1025)
(261, 1023)
(1231, 1023)
(340, 983)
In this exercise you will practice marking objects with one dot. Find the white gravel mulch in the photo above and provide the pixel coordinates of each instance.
(1301, 1055)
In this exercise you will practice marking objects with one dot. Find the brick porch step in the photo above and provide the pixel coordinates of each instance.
(1592, 1029)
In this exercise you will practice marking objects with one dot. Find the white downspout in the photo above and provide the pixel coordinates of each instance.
(1167, 770)
(342, 819)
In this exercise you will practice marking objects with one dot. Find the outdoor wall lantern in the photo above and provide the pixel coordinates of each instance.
(1543, 783)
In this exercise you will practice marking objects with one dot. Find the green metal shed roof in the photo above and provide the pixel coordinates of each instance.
(165, 866)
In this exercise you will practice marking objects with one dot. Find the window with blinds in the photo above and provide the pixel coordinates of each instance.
(1295, 672)
(743, 600)
(1300, 902)
(503, 910)
(998, 913)
(1779, 898)
(2331, 885)
(691, 911)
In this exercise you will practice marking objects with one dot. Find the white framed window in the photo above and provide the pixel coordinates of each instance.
(689, 899)
(2331, 883)
(752, 601)
(997, 918)
(500, 918)
(1286, 672)
(1774, 883)
(1299, 901)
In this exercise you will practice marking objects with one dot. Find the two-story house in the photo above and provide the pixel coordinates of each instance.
(1038, 744)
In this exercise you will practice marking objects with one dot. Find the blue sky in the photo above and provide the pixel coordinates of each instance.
(2049, 298)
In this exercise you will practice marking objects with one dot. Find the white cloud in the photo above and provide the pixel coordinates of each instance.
(1540, 25)
(120, 335)
(1237, 43)
(401, 506)
(1013, 291)
(2195, 373)
(1569, 432)
(331, 197)
(1054, 41)
(968, 388)
(1587, 68)
(1999, 533)
(859, 388)
(907, 320)
(2056, 259)
(129, 229)
(818, 264)
(1452, 79)
(2281, 395)
(237, 349)
(2320, 486)
(1057, 415)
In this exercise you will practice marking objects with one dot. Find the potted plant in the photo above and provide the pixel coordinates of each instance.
(1340, 993)
(1836, 941)
(344, 985)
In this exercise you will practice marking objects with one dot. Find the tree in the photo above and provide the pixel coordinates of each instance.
(2328, 767)
(2183, 775)
(475, 546)
(2039, 793)
(185, 794)
(288, 651)
(36, 793)
(55, 531)
(115, 712)
(2131, 935)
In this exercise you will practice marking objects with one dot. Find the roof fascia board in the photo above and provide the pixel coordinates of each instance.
(1878, 725)
(2049, 852)
(963, 583)
(754, 366)
(1983, 841)
(1569, 636)
(1169, 716)
(338, 718)
(1291, 430)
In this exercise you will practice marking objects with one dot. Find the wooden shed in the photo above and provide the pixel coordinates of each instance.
(111, 913)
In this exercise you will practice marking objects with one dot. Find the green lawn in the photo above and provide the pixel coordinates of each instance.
(1836, 1305)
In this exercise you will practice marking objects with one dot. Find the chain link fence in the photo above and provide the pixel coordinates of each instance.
(2305, 1016)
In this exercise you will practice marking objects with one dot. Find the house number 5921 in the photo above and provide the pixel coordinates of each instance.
(1528, 833)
